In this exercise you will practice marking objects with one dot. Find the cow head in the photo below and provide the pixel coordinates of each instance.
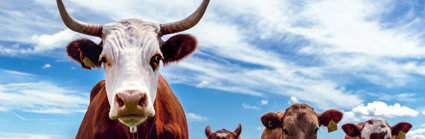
(376, 128)
(223, 134)
(130, 52)
(299, 121)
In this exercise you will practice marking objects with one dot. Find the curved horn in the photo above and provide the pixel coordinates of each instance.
(78, 26)
(186, 23)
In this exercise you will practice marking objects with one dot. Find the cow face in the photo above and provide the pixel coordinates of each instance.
(299, 121)
(376, 128)
(223, 134)
(130, 52)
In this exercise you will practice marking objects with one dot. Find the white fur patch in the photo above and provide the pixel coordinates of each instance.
(128, 46)
(375, 127)
(221, 135)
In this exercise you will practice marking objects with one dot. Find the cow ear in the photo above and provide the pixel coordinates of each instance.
(178, 47)
(351, 130)
(238, 131)
(85, 52)
(271, 120)
(208, 131)
(401, 126)
(327, 116)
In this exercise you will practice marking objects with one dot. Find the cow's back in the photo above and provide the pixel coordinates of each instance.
(169, 120)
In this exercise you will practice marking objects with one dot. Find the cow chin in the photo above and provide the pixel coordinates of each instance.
(132, 119)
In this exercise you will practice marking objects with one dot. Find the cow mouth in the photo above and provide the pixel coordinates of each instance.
(132, 120)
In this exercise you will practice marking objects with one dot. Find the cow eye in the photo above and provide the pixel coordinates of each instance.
(315, 131)
(155, 61)
(285, 131)
(103, 59)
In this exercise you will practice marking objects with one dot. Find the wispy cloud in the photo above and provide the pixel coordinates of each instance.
(19, 116)
(259, 128)
(9, 135)
(417, 134)
(46, 66)
(195, 117)
(41, 97)
(378, 109)
(38, 96)
(246, 106)
(264, 102)
(3, 108)
(293, 100)
(405, 97)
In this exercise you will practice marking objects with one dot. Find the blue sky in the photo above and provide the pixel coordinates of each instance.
(365, 58)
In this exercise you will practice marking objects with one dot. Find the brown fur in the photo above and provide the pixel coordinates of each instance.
(78, 49)
(296, 119)
(354, 131)
(230, 135)
(168, 122)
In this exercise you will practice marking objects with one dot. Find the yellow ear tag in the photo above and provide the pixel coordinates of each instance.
(332, 126)
(88, 62)
(401, 135)
(270, 124)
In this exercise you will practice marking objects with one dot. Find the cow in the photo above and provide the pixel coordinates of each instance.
(134, 100)
(298, 121)
(223, 133)
(376, 128)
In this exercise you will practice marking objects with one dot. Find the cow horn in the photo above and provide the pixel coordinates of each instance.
(78, 26)
(186, 23)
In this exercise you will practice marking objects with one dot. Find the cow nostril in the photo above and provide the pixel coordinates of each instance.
(142, 101)
(120, 102)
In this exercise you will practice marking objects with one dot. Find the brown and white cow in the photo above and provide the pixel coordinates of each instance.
(376, 128)
(134, 97)
(223, 133)
(298, 121)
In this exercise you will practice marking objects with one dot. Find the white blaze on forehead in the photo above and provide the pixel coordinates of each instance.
(128, 46)
(221, 135)
(377, 125)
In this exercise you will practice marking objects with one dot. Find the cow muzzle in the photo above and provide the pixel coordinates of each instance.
(131, 108)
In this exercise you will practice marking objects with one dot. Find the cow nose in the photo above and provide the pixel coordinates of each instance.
(131, 99)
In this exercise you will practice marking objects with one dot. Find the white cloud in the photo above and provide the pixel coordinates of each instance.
(293, 100)
(417, 134)
(8, 135)
(3, 108)
(19, 116)
(25, 92)
(406, 97)
(16, 73)
(42, 43)
(246, 106)
(259, 128)
(378, 109)
(195, 117)
(41, 97)
(264, 102)
(46, 66)
(46, 42)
